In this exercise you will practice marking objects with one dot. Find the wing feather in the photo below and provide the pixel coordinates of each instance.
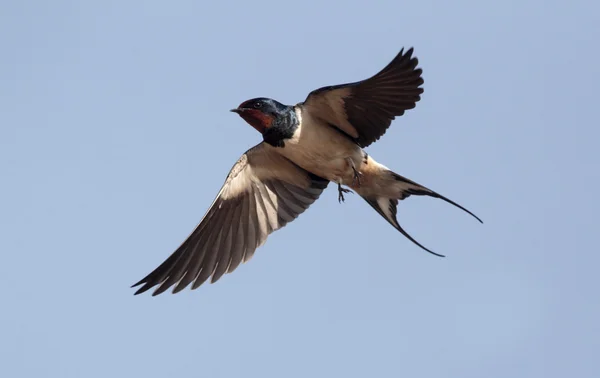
(365, 109)
(262, 193)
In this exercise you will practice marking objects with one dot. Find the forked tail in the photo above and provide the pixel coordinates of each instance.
(398, 188)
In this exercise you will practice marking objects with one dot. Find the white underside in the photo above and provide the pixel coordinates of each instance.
(320, 149)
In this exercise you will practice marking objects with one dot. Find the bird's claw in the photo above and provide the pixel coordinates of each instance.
(356, 174)
(356, 177)
(341, 192)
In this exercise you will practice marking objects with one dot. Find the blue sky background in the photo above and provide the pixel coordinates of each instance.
(115, 137)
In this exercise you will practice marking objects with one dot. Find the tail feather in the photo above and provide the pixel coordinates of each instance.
(412, 188)
(386, 205)
(389, 214)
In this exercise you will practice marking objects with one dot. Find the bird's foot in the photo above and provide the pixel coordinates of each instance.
(356, 173)
(356, 177)
(341, 192)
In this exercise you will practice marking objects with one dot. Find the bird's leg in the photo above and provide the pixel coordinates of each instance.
(341, 192)
(357, 174)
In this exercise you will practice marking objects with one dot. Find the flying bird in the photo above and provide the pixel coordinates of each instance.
(304, 147)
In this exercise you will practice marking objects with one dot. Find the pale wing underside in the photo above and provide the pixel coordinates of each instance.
(262, 193)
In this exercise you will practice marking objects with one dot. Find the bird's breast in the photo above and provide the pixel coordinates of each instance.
(322, 150)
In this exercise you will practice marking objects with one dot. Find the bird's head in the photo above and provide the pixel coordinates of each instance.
(260, 112)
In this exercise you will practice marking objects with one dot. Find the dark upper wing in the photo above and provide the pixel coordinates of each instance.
(262, 193)
(364, 110)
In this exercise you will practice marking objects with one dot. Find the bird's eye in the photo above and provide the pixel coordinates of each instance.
(258, 105)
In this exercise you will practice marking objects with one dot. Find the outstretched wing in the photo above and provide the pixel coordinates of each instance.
(364, 110)
(262, 193)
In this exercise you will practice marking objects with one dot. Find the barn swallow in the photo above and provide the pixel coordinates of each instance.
(303, 148)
